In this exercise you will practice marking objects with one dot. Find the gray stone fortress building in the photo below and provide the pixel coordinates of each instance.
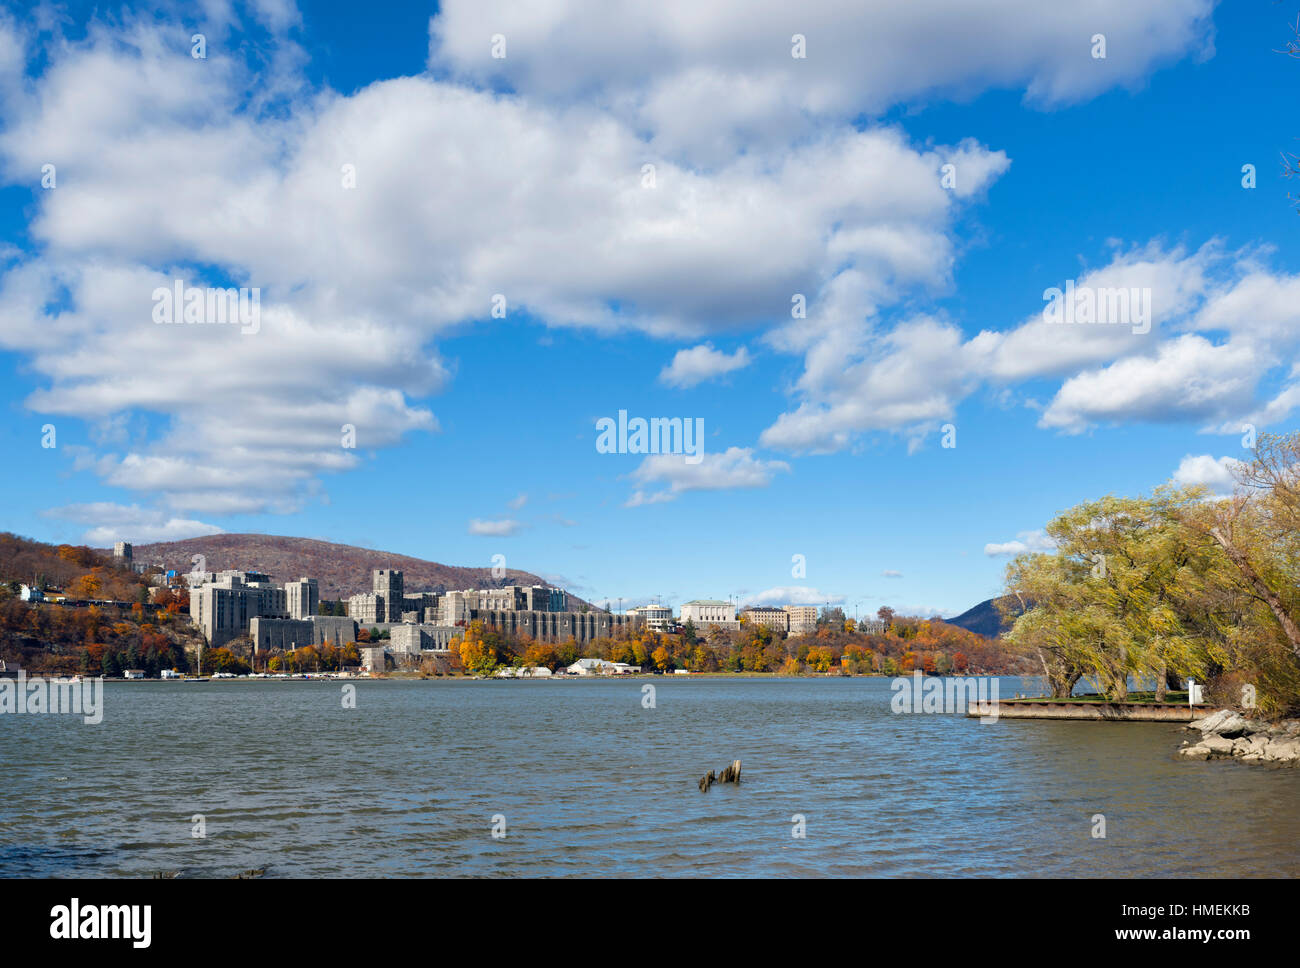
(231, 604)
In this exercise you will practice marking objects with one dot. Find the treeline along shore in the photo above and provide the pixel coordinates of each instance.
(121, 623)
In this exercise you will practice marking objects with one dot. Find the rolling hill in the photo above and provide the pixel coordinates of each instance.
(342, 570)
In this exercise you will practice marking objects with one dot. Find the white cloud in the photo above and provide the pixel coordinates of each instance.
(1037, 348)
(891, 574)
(704, 79)
(350, 311)
(793, 595)
(1222, 330)
(762, 190)
(496, 529)
(1189, 378)
(117, 522)
(640, 498)
(1214, 473)
(519, 501)
(699, 363)
(1025, 541)
(736, 467)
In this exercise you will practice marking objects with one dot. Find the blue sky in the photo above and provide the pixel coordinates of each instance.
(523, 176)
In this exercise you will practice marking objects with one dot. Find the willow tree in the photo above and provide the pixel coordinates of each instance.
(1125, 593)
(1257, 530)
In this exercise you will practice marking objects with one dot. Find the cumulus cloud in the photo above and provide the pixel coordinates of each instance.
(705, 80)
(736, 467)
(117, 522)
(699, 363)
(370, 224)
(496, 529)
(1215, 473)
(1187, 378)
(793, 595)
(1222, 329)
(1025, 541)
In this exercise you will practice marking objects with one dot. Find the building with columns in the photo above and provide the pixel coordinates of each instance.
(709, 611)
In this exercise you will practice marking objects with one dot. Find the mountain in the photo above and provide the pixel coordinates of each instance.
(984, 618)
(342, 570)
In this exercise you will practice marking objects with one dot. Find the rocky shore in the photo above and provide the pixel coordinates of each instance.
(1229, 734)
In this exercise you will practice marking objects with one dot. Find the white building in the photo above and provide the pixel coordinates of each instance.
(601, 667)
(302, 597)
(29, 594)
(709, 611)
(657, 617)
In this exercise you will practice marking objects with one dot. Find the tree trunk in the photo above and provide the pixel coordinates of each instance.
(1270, 597)
(1059, 678)
(1162, 681)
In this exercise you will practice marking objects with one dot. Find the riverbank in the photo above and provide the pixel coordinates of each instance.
(1229, 735)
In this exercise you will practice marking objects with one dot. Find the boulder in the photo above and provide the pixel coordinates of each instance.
(1197, 752)
(1219, 745)
(1233, 726)
(1282, 751)
(1207, 724)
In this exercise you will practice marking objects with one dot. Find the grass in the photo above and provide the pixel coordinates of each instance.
(1142, 698)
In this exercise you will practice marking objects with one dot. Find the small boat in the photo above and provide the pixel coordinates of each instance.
(195, 679)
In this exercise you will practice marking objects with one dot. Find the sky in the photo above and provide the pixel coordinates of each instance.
(476, 229)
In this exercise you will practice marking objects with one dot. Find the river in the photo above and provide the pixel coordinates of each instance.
(581, 778)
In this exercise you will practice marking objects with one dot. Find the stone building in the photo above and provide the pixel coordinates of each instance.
(302, 597)
(777, 619)
(455, 607)
(803, 619)
(414, 639)
(335, 629)
(389, 583)
(282, 634)
(287, 634)
(367, 608)
(224, 608)
(556, 626)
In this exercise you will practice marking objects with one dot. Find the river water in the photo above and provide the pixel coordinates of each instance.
(583, 779)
